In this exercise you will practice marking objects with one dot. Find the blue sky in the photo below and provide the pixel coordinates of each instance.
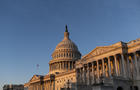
(31, 29)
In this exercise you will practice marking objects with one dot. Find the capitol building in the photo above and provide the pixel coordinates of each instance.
(113, 67)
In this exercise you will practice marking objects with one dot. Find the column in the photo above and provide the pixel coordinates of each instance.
(123, 67)
(60, 65)
(92, 72)
(109, 68)
(66, 65)
(52, 67)
(40, 86)
(72, 64)
(136, 64)
(77, 76)
(139, 65)
(37, 87)
(116, 66)
(63, 65)
(128, 66)
(69, 65)
(80, 78)
(103, 67)
(97, 69)
(84, 74)
(57, 66)
(46, 85)
(50, 85)
(81, 74)
(88, 75)
(131, 67)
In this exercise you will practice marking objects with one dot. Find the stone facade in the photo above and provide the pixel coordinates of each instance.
(114, 67)
(13, 87)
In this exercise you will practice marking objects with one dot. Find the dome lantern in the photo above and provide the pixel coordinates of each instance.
(66, 33)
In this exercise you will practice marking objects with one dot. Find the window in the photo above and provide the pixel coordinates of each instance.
(119, 88)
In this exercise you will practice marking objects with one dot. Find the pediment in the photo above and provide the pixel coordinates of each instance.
(99, 51)
(35, 77)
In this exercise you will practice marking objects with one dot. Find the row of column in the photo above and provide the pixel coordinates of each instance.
(48, 85)
(134, 65)
(65, 54)
(117, 65)
(65, 65)
(36, 86)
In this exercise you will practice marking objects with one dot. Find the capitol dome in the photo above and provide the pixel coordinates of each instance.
(64, 55)
(66, 44)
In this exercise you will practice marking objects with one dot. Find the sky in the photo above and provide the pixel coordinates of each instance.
(31, 29)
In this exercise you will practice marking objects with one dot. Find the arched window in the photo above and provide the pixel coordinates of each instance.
(67, 54)
(64, 54)
(70, 55)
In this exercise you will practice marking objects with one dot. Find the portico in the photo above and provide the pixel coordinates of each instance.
(108, 62)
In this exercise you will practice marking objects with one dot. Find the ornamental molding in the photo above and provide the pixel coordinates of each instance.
(35, 77)
(100, 50)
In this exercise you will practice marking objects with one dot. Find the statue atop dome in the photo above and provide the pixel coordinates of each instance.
(66, 29)
(66, 33)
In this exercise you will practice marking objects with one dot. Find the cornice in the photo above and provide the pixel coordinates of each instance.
(61, 60)
(65, 73)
